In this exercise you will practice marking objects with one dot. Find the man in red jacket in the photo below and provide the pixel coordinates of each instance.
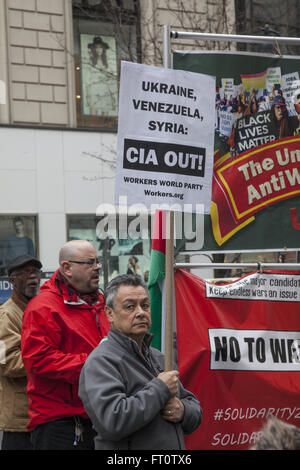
(61, 326)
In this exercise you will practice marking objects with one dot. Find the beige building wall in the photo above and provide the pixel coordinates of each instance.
(38, 71)
(202, 16)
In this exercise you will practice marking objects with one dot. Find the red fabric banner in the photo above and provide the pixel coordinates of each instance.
(239, 353)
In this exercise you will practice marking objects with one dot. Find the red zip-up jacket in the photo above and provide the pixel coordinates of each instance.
(58, 334)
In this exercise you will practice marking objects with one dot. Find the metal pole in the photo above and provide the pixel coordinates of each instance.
(169, 266)
(105, 261)
(169, 286)
(287, 266)
(233, 38)
(167, 57)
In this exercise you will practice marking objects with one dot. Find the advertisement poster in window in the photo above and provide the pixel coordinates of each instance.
(256, 177)
(18, 237)
(99, 75)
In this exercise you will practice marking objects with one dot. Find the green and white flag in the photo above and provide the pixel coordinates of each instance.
(156, 281)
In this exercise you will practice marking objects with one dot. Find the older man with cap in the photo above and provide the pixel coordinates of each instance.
(61, 327)
(25, 273)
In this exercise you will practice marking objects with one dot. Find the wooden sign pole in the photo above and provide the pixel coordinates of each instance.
(169, 283)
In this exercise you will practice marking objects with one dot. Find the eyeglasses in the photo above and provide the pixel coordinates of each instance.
(36, 272)
(92, 263)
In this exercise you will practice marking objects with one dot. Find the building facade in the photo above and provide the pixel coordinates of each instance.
(58, 120)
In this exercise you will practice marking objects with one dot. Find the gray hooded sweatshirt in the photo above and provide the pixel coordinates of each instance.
(124, 398)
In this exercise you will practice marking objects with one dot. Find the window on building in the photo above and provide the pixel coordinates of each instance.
(105, 32)
(18, 237)
(123, 242)
(268, 18)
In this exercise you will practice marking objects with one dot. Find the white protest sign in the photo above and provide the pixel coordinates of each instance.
(288, 83)
(273, 77)
(228, 87)
(259, 286)
(254, 349)
(165, 136)
(226, 122)
(291, 89)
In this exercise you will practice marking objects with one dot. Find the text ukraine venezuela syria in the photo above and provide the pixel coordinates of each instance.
(167, 108)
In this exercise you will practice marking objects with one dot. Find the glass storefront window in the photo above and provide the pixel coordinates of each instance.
(118, 254)
(18, 236)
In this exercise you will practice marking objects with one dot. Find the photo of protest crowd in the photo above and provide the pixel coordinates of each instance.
(262, 108)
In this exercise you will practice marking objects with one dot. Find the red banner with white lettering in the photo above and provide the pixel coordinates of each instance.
(239, 353)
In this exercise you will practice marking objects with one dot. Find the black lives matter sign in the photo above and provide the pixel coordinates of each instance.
(253, 131)
(163, 157)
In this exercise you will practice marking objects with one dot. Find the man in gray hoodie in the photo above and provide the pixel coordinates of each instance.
(131, 401)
